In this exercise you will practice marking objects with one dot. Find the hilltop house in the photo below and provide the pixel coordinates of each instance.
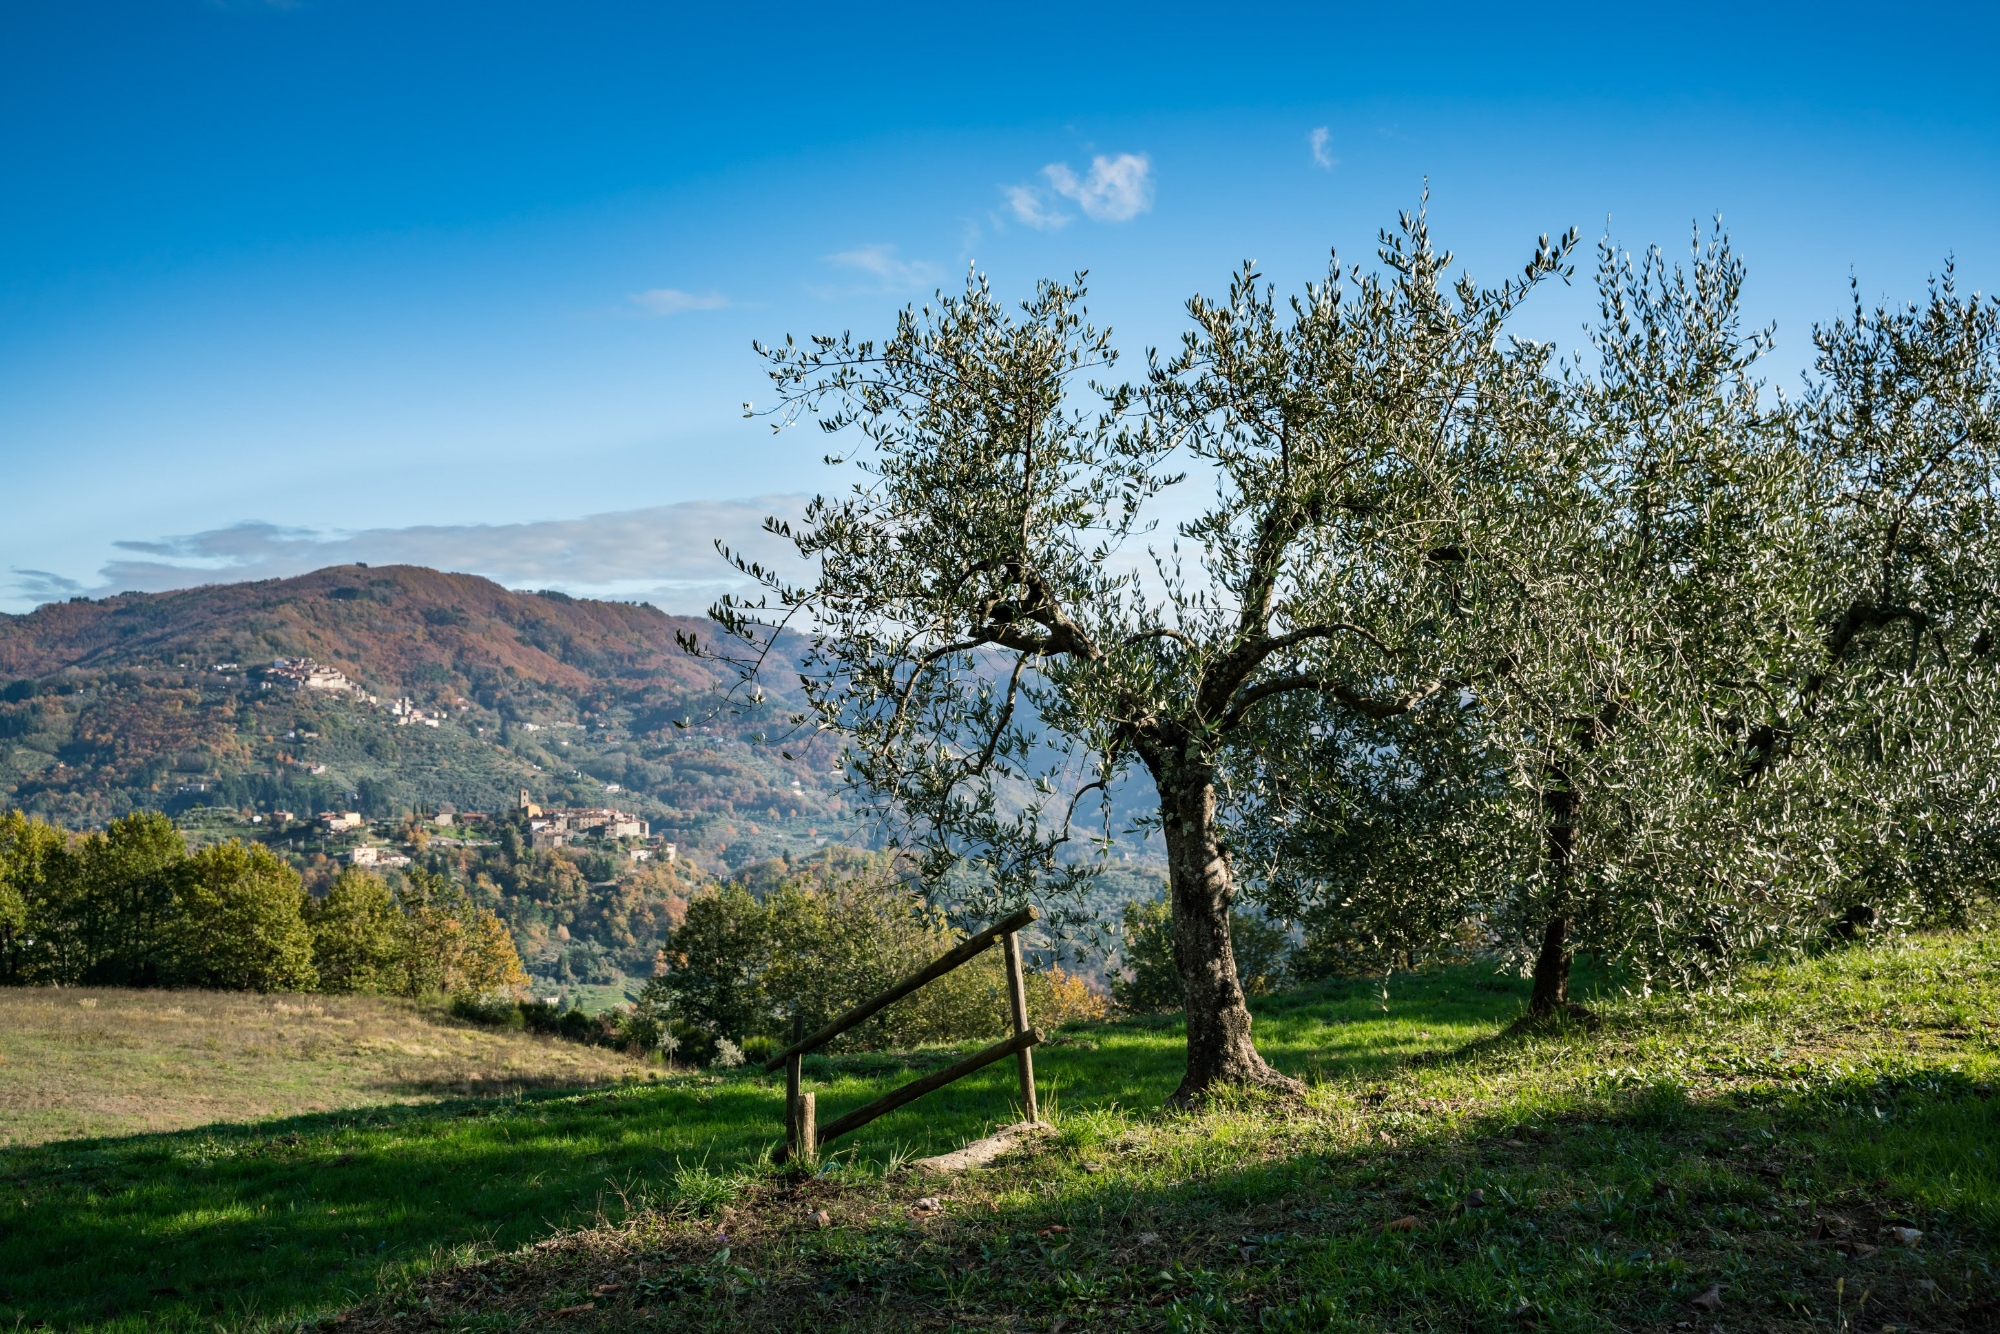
(305, 674)
(405, 712)
(552, 829)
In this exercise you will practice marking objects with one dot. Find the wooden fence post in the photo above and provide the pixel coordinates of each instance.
(1017, 996)
(802, 1133)
(792, 1085)
(808, 1150)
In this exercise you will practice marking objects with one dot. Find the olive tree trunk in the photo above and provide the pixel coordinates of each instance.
(1550, 996)
(1551, 993)
(1219, 1050)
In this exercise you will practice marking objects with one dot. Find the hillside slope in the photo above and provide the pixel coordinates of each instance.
(397, 628)
(1810, 1149)
(164, 701)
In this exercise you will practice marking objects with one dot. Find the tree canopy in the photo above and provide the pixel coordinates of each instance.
(1469, 645)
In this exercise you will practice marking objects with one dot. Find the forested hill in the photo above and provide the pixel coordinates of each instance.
(399, 628)
(168, 700)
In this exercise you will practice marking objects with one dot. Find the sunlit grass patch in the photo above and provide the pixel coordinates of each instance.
(1560, 1181)
(1735, 1147)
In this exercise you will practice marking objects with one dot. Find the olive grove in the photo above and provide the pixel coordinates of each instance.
(1469, 646)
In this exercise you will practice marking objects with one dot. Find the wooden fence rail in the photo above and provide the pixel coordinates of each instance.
(804, 1138)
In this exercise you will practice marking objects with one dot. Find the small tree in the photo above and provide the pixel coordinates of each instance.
(237, 922)
(32, 900)
(979, 633)
(1883, 745)
(716, 958)
(1649, 593)
(837, 940)
(1742, 660)
(356, 934)
(449, 945)
(127, 875)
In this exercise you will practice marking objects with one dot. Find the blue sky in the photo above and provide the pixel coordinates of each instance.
(473, 284)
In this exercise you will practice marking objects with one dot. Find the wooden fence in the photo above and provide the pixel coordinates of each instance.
(804, 1137)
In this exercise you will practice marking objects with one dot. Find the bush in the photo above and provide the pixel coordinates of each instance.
(837, 942)
(1149, 980)
(1056, 998)
(492, 1011)
(825, 938)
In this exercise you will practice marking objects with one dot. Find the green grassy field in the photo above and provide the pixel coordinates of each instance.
(1769, 1138)
(83, 1061)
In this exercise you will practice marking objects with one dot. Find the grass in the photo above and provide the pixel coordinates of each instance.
(78, 1062)
(1438, 1176)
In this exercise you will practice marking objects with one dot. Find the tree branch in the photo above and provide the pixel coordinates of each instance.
(1366, 706)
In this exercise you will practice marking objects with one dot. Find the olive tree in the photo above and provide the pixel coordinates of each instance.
(1886, 743)
(1743, 663)
(1634, 607)
(997, 653)
(1661, 593)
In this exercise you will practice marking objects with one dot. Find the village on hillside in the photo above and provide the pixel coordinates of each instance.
(385, 843)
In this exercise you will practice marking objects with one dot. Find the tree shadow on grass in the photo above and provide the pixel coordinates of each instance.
(309, 1212)
(300, 1215)
(1618, 1211)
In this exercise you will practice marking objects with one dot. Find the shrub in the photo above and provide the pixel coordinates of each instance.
(825, 938)
(493, 1011)
(836, 942)
(1149, 980)
(1056, 998)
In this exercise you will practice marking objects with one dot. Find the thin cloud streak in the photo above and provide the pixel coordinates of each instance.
(672, 301)
(891, 271)
(664, 554)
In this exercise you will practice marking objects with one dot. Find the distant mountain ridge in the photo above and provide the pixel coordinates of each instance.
(397, 626)
(155, 700)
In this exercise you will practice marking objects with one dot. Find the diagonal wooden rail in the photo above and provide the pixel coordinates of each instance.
(803, 1137)
(972, 948)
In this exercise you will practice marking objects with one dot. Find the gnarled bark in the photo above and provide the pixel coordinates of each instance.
(1551, 991)
(1219, 1049)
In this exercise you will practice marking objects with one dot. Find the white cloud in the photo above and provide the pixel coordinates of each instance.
(894, 273)
(664, 554)
(1030, 206)
(1117, 189)
(671, 301)
(1318, 139)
